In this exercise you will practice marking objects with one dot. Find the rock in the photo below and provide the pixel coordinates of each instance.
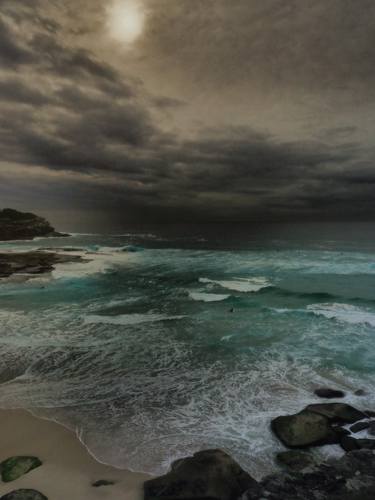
(16, 225)
(15, 467)
(360, 426)
(349, 443)
(371, 429)
(295, 460)
(303, 429)
(24, 495)
(102, 482)
(370, 413)
(210, 474)
(32, 262)
(338, 412)
(329, 393)
(360, 392)
(341, 431)
(366, 444)
(351, 477)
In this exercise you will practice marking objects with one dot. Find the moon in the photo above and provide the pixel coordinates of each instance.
(125, 20)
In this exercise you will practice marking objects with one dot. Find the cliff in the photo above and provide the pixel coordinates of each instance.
(16, 225)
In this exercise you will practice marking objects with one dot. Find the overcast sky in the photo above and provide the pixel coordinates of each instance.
(171, 110)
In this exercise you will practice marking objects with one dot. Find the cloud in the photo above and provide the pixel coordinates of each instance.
(11, 51)
(80, 131)
(274, 42)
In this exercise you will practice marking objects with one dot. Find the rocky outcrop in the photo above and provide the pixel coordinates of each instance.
(327, 393)
(15, 467)
(316, 425)
(350, 478)
(303, 429)
(338, 412)
(209, 474)
(295, 460)
(32, 262)
(213, 475)
(24, 495)
(16, 225)
(349, 443)
(359, 426)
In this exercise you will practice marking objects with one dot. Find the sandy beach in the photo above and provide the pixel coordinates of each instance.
(68, 470)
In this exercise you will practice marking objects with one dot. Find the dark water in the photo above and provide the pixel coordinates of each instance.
(138, 350)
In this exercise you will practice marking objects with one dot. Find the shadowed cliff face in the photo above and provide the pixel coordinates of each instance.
(16, 225)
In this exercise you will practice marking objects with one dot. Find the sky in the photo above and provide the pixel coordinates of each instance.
(118, 111)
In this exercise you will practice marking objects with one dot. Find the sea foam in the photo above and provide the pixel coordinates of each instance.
(243, 285)
(336, 311)
(207, 297)
(343, 312)
(129, 319)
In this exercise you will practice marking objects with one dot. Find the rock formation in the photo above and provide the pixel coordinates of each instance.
(209, 474)
(15, 225)
(32, 262)
(15, 467)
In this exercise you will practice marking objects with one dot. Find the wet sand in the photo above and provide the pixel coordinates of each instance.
(68, 469)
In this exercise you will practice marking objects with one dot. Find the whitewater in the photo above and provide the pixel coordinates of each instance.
(163, 344)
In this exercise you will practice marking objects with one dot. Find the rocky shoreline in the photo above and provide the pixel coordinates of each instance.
(15, 225)
(33, 263)
(212, 474)
(215, 475)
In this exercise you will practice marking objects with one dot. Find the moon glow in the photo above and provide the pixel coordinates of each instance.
(125, 20)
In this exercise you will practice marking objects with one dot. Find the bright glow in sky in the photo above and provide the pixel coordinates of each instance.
(125, 20)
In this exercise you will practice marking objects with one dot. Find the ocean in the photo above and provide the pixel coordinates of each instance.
(178, 338)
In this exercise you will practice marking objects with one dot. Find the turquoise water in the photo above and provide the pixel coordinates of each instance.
(172, 340)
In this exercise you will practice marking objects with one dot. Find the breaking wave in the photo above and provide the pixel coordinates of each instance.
(207, 297)
(129, 319)
(243, 285)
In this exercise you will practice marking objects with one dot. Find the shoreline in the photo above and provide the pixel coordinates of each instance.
(68, 469)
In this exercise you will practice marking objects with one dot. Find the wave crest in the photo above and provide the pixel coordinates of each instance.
(244, 285)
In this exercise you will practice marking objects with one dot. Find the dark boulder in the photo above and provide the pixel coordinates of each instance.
(304, 429)
(24, 495)
(371, 428)
(360, 426)
(341, 431)
(337, 412)
(350, 478)
(295, 460)
(366, 444)
(15, 467)
(209, 474)
(329, 393)
(349, 443)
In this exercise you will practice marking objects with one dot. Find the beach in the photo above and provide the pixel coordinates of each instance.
(68, 470)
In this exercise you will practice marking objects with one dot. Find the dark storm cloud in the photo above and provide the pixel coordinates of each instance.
(11, 51)
(98, 135)
(67, 62)
(13, 90)
(317, 44)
